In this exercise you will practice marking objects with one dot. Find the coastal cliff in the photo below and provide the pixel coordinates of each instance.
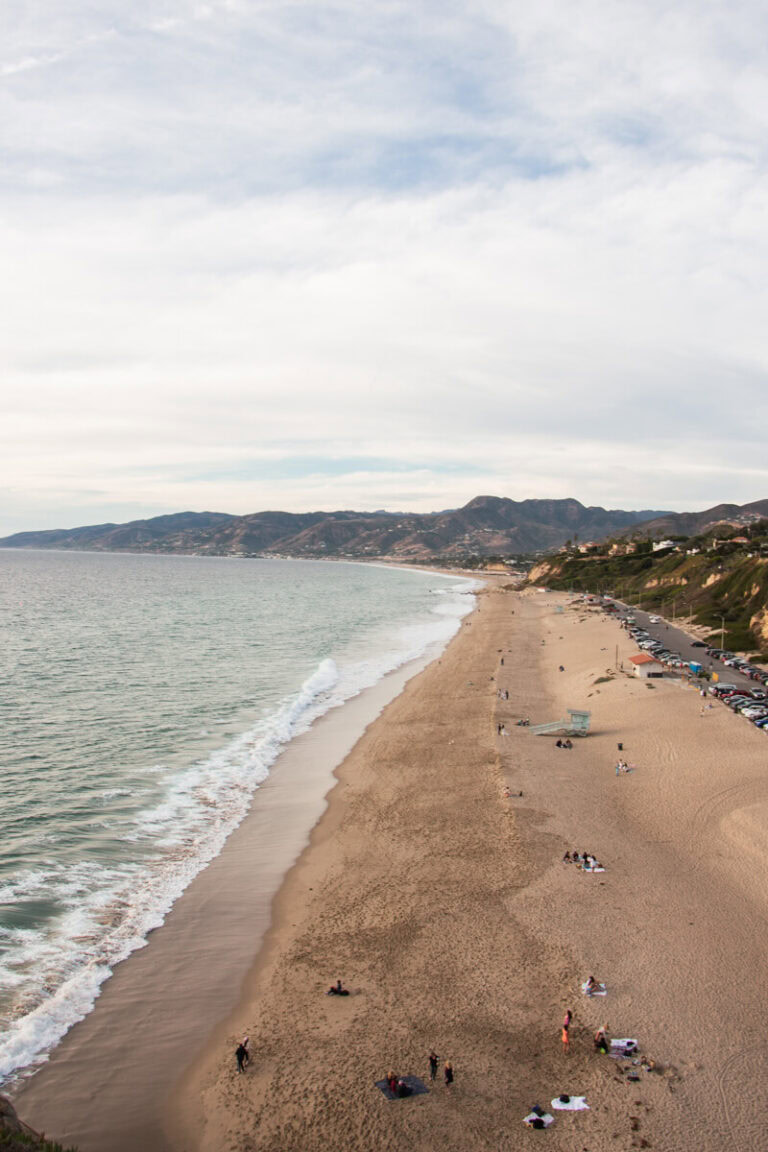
(718, 583)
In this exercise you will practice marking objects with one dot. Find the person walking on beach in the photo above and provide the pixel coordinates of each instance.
(565, 1034)
(448, 1073)
(241, 1055)
(432, 1065)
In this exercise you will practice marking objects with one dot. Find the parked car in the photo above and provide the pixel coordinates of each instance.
(698, 644)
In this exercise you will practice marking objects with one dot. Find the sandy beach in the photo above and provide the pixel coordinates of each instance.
(446, 909)
(107, 1084)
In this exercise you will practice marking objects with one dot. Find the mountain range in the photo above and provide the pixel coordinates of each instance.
(486, 526)
(692, 523)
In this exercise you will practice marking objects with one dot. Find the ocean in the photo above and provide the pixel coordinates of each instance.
(143, 699)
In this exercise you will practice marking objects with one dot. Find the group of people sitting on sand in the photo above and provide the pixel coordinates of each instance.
(584, 860)
(524, 723)
(398, 1086)
(564, 744)
(622, 1049)
(622, 766)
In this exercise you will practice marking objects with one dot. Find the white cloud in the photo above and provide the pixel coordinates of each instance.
(524, 243)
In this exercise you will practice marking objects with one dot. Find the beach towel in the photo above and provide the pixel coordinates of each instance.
(417, 1087)
(538, 1120)
(601, 869)
(572, 1104)
(622, 1048)
(601, 990)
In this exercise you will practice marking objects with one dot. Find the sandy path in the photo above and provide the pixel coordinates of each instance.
(447, 910)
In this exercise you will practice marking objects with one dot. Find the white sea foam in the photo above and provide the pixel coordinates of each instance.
(107, 913)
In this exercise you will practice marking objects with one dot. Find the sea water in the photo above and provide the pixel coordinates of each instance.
(143, 699)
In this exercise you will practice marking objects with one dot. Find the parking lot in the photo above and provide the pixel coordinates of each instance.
(738, 689)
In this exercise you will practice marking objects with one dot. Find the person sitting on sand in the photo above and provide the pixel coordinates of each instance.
(567, 858)
(602, 1044)
(568, 745)
(592, 986)
(392, 1083)
(402, 1089)
(337, 990)
(558, 743)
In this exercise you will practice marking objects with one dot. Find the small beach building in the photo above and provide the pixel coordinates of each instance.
(646, 666)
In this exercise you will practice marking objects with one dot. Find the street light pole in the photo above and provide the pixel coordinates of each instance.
(722, 632)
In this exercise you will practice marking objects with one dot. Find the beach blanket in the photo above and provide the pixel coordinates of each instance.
(601, 869)
(572, 1104)
(622, 1048)
(601, 990)
(417, 1087)
(538, 1120)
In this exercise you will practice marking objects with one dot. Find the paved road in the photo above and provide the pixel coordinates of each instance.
(678, 641)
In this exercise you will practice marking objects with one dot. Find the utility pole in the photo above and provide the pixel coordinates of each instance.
(722, 631)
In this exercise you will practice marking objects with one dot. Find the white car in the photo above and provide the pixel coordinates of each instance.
(654, 620)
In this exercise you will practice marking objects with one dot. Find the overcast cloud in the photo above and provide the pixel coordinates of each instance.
(302, 255)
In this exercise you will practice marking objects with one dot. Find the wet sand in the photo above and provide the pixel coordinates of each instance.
(107, 1084)
(446, 909)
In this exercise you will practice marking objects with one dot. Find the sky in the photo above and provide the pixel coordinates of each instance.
(380, 254)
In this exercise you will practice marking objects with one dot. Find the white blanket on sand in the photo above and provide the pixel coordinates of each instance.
(574, 1104)
(601, 869)
(545, 1118)
(600, 990)
(620, 1049)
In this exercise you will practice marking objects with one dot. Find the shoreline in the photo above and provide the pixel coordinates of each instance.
(445, 907)
(160, 1003)
(190, 1115)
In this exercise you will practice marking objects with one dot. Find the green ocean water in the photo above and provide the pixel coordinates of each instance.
(142, 701)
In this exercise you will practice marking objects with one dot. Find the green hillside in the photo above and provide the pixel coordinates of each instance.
(710, 580)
